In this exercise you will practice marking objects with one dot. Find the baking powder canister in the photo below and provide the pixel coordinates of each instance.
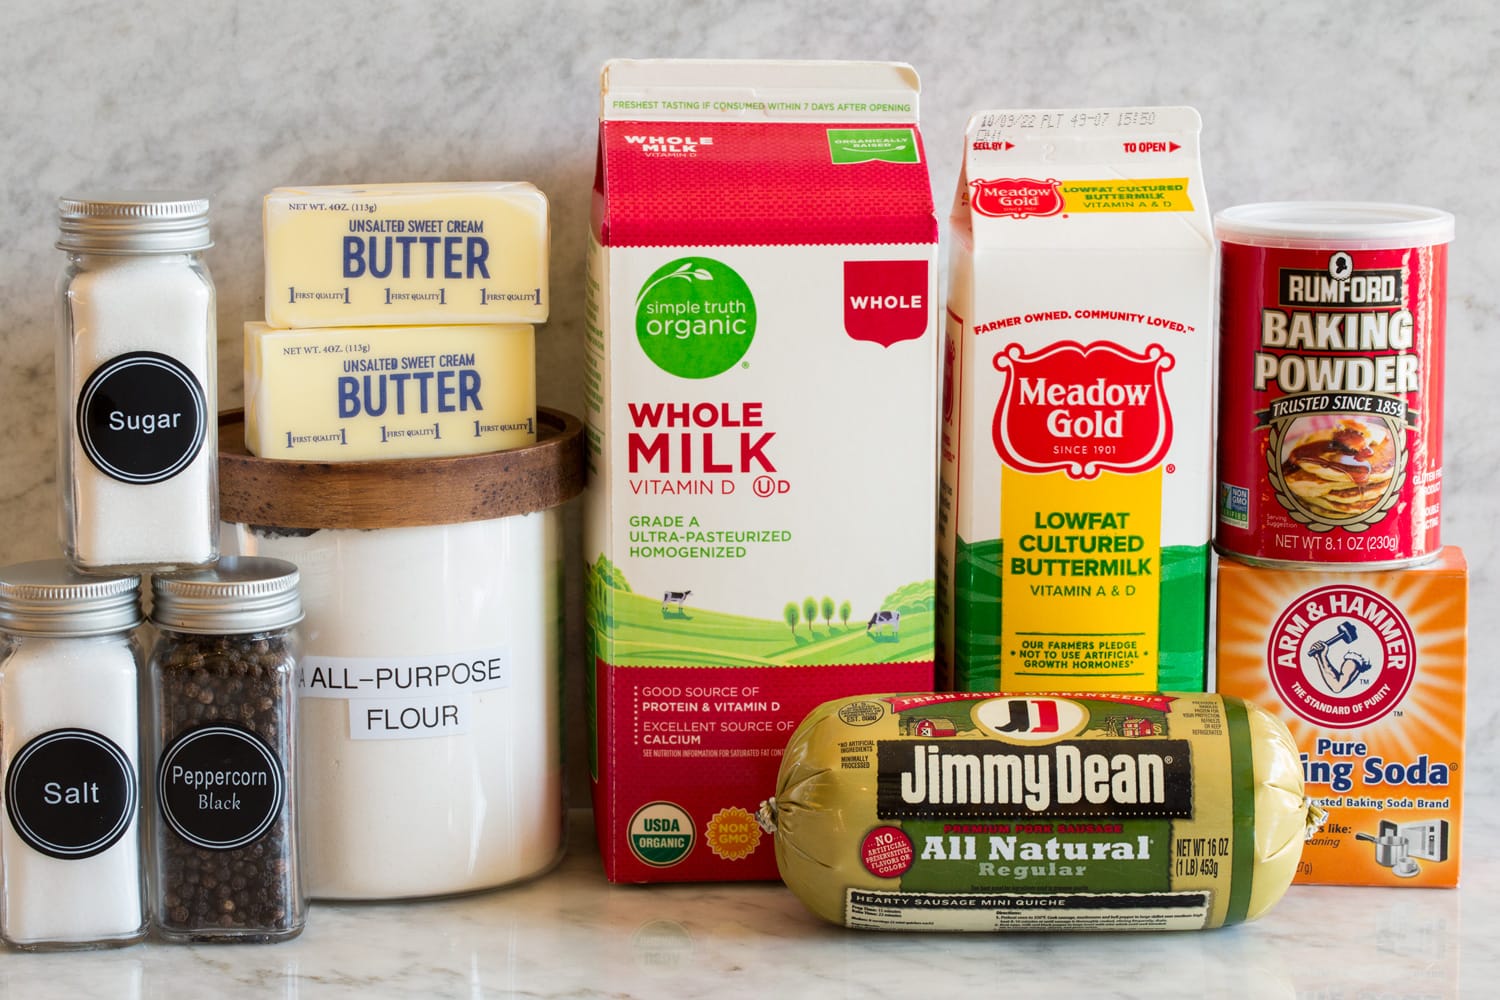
(1331, 382)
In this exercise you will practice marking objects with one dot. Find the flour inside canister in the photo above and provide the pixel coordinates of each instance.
(431, 748)
(429, 700)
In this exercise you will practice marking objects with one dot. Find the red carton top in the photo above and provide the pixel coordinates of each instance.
(761, 184)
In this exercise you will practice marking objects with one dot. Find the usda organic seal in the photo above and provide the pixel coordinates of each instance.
(661, 834)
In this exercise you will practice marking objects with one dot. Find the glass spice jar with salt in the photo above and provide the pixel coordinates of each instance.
(70, 841)
(223, 738)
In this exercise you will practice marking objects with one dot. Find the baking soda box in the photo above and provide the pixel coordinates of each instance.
(762, 421)
(1077, 405)
(1367, 669)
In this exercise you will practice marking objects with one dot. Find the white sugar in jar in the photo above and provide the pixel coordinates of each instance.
(70, 840)
(136, 384)
(431, 744)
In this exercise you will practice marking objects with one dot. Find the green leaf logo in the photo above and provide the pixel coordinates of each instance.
(695, 317)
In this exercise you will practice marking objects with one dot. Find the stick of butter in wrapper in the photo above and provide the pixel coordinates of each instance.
(408, 254)
(1086, 812)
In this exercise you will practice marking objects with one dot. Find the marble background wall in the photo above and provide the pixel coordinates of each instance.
(1371, 100)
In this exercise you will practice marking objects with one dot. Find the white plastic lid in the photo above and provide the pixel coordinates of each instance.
(1335, 225)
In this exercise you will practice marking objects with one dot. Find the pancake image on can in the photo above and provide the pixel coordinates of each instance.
(1337, 468)
(1331, 327)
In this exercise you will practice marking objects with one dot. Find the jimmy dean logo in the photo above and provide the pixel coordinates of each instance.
(1361, 340)
(1082, 409)
(980, 779)
(676, 144)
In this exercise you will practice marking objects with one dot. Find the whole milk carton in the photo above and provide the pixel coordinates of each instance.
(761, 411)
(1077, 405)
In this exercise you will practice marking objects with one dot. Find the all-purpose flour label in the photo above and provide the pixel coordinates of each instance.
(406, 697)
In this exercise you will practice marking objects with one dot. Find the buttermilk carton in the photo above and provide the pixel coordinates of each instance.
(1077, 405)
(762, 421)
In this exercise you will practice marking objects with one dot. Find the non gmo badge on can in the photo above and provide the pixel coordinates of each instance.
(1331, 380)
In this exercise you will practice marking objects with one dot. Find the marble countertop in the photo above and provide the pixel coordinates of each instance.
(570, 934)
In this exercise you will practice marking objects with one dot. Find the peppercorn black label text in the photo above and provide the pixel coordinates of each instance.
(220, 786)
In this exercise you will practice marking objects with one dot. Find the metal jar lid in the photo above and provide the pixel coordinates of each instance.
(130, 224)
(239, 594)
(50, 598)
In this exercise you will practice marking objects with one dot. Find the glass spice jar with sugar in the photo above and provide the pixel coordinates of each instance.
(136, 384)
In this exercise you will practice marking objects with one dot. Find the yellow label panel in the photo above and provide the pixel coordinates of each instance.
(1081, 577)
(1155, 194)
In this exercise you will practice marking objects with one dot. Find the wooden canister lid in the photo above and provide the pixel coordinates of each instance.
(401, 492)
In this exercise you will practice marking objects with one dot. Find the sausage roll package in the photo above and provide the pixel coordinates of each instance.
(990, 812)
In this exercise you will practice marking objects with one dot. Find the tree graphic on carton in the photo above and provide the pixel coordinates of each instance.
(810, 612)
(604, 578)
(827, 609)
(791, 615)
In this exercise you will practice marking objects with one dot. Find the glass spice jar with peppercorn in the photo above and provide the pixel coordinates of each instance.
(223, 685)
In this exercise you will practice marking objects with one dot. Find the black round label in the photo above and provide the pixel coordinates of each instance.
(142, 417)
(70, 793)
(220, 786)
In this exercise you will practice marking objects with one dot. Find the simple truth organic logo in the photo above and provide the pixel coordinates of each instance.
(695, 317)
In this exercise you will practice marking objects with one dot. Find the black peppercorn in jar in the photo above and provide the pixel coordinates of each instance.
(223, 686)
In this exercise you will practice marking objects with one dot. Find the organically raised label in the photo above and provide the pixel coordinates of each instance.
(859, 145)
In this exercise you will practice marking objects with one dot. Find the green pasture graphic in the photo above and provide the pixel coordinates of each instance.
(629, 629)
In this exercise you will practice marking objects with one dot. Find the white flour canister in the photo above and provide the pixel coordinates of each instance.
(431, 754)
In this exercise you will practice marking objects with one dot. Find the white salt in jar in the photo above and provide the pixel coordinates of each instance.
(431, 753)
(136, 384)
(70, 842)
